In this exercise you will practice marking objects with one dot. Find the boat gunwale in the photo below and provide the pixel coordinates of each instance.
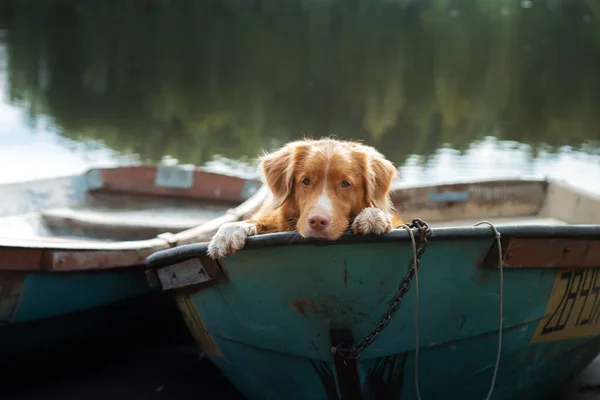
(279, 239)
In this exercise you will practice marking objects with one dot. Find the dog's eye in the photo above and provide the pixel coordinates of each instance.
(306, 181)
(345, 184)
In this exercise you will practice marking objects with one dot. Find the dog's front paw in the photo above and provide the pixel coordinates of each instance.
(230, 237)
(372, 220)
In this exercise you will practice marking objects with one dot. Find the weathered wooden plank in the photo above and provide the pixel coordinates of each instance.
(546, 252)
(197, 184)
(21, 258)
(551, 253)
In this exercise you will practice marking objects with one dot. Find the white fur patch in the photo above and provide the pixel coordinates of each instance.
(230, 237)
(324, 203)
(372, 220)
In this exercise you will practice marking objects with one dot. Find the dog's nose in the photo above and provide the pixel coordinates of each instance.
(318, 222)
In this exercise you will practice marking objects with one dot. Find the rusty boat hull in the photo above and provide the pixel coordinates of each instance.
(72, 252)
(282, 303)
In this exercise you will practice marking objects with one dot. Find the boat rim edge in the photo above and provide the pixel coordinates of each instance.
(187, 251)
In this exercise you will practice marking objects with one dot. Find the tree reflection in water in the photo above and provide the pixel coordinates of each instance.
(197, 78)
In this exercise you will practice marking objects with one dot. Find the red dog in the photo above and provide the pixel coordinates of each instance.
(319, 188)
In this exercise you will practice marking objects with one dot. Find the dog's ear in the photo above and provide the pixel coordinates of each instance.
(278, 171)
(379, 174)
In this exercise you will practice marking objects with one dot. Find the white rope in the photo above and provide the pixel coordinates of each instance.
(501, 266)
(414, 246)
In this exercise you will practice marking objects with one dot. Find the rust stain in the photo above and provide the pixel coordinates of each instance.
(326, 307)
(304, 305)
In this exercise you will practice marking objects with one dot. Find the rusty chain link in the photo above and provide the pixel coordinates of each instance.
(353, 351)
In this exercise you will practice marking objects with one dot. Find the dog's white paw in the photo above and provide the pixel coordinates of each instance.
(372, 220)
(230, 237)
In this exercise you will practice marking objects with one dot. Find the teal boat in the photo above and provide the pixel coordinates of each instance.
(292, 318)
(72, 251)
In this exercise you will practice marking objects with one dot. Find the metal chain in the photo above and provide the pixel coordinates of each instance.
(353, 351)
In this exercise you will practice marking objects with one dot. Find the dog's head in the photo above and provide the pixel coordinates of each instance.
(323, 184)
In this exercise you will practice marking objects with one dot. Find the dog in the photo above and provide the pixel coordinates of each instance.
(319, 188)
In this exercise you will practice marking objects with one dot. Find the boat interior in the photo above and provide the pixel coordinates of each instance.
(103, 216)
(64, 210)
(502, 203)
(114, 218)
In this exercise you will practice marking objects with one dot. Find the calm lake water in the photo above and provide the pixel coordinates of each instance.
(448, 90)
